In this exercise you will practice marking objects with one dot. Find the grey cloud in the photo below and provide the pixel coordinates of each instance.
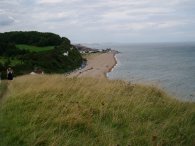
(75, 17)
(6, 20)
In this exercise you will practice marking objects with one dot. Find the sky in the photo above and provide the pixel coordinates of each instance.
(100, 21)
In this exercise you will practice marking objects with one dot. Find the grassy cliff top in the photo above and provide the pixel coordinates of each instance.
(54, 110)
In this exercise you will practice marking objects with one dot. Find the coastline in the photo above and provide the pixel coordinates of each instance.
(116, 62)
(98, 65)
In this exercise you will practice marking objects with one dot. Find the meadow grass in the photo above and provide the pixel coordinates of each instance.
(3, 88)
(53, 110)
(34, 48)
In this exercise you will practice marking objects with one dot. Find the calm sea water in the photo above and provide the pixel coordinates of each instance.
(170, 66)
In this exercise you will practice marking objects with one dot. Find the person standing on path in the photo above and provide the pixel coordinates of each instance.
(10, 74)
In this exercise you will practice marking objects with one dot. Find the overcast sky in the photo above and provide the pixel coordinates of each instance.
(90, 21)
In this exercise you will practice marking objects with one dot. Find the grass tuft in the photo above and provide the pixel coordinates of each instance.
(54, 110)
(3, 88)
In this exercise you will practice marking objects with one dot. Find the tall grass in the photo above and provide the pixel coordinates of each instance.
(54, 110)
(3, 88)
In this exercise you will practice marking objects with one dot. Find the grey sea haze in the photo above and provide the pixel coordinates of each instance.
(170, 66)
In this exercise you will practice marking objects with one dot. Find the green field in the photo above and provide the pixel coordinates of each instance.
(34, 48)
(52, 110)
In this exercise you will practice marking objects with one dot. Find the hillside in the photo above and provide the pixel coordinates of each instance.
(54, 110)
(32, 38)
(30, 51)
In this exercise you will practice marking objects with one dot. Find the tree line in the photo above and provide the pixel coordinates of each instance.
(10, 50)
(31, 38)
(34, 38)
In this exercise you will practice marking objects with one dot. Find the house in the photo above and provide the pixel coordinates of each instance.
(84, 50)
(65, 53)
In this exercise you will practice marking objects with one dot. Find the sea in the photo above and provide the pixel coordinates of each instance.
(169, 66)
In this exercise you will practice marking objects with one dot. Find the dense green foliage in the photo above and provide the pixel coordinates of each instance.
(54, 61)
(28, 51)
(53, 110)
(9, 49)
(31, 38)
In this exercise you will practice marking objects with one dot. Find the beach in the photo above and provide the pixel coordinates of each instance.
(98, 65)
